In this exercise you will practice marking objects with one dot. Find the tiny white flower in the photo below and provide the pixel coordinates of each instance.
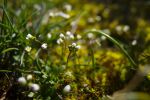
(79, 36)
(134, 42)
(37, 7)
(34, 87)
(22, 80)
(44, 45)
(106, 31)
(103, 38)
(73, 23)
(29, 36)
(118, 28)
(63, 66)
(63, 15)
(59, 41)
(13, 35)
(51, 14)
(68, 33)
(29, 77)
(49, 35)
(90, 20)
(61, 35)
(28, 49)
(78, 47)
(126, 28)
(67, 88)
(68, 7)
(98, 18)
(72, 36)
(90, 35)
(31, 94)
(74, 44)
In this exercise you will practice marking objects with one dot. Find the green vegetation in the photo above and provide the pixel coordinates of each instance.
(74, 50)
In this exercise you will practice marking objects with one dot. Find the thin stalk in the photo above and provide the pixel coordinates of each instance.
(5, 12)
(22, 58)
(37, 59)
(92, 56)
(68, 58)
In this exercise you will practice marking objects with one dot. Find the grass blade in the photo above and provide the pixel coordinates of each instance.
(5, 71)
(116, 43)
(9, 49)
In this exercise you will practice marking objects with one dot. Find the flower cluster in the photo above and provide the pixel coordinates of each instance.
(28, 48)
(44, 46)
(69, 35)
(74, 46)
(27, 81)
(124, 28)
(62, 37)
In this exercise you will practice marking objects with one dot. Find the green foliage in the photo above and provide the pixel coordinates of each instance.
(54, 42)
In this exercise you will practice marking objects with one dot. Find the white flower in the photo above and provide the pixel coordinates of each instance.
(63, 15)
(59, 41)
(79, 36)
(29, 77)
(51, 14)
(74, 44)
(29, 36)
(22, 80)
(13, 35)
(126, 28)
(134, 42)
(72, 36)
(62, 36)
(118, 28)
(37, 7)
(107, 31)
(49, 35)
(73, 23)
(44, 45)
(34, 87)
(68, 7)
(98, 18)
(31, 94)
(90, 20)
(28, 49)
(103, 38)
(90, 35)
(67, 88)
(78, 47)
(69, 35)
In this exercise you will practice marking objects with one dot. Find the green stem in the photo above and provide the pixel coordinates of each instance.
(68, 58)
(92, 56)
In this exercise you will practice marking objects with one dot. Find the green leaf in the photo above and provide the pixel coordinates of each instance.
(9, 49)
